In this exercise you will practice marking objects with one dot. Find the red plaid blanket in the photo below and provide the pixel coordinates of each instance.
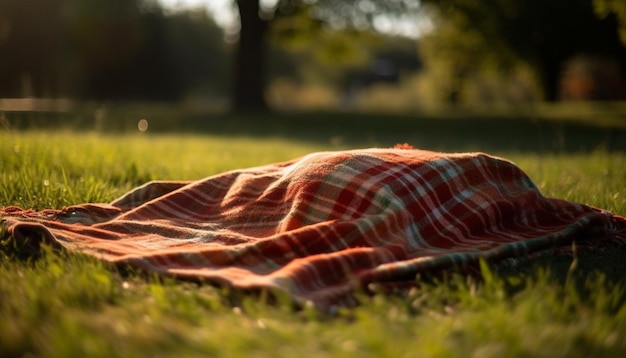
(320, 226)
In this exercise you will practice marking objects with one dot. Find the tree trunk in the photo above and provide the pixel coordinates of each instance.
(249, 71)
(550, 77)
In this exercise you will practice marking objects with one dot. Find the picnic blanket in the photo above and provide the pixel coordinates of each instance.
(324, 225)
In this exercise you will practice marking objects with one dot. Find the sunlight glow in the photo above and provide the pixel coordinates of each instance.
(225, 15)
(223, 11)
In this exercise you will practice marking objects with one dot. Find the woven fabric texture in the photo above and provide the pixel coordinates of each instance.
(321, 226)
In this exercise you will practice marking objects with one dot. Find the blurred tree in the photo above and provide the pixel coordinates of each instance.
(30, 44)
(195, 49)
(388, 64)
(617, 8)
(320, 55)
(255, 19)
(543, 34)
(107, 39)
(454, 52)
(131, 49)
(107, 50)
(306, 74)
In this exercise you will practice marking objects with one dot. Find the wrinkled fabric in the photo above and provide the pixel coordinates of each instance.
(321, 226)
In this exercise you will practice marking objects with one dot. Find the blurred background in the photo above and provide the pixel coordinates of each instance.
(291, 55)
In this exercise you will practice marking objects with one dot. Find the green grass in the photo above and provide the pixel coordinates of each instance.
(70, 305)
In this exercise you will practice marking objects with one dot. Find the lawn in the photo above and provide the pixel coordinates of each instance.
(69, 305)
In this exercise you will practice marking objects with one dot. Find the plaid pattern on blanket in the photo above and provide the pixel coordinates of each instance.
(320, 226)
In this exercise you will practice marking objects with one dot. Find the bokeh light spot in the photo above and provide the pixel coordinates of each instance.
(142, 125)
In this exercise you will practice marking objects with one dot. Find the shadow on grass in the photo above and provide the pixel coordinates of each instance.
(435, 133)
(585, 272)
(444, 132)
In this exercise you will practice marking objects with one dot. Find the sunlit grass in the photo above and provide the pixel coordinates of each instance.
(53, 169)
(595, 178)
(70, 305)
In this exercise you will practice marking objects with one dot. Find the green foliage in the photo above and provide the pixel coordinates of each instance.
(616, 8)
(314, 46)
(51, 170)
(107, 50)
(461, 62)
(541, 34)
(70, 305)
(62, 305)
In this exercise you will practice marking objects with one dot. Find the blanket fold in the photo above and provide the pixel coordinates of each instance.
(322, 225)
